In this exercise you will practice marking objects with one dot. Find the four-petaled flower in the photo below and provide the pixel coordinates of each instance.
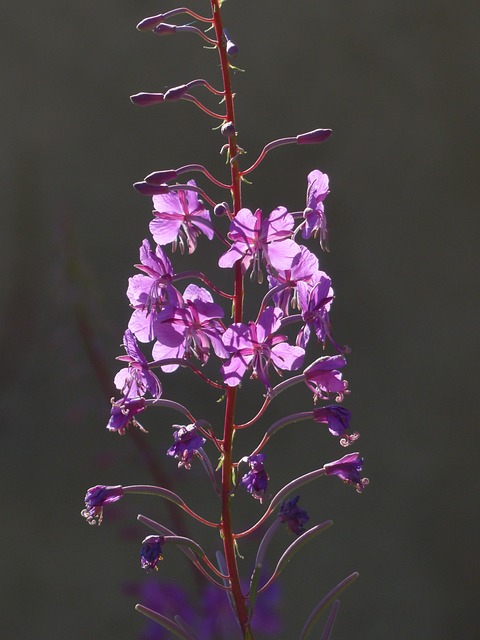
(191, 329)
(315, 222)
(255, 239)
(187, 443)
(256, 480)
(151, 552)
(348, 469)
(255, 345)
(179, 218)
(293, 516)
(95, 499)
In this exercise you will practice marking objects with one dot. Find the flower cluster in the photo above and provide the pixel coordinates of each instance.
(178, 325)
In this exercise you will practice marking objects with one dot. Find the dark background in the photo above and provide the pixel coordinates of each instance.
(398, 82)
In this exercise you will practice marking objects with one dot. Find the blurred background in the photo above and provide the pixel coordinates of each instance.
(398, 82)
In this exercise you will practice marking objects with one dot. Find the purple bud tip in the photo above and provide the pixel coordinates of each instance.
(165, 29)
(148, 24)
(232, 49)
(161, 177)
(175, 93)
(221, 209)
(312, 137)
(228, 129)
(147, 189)
(147, 99)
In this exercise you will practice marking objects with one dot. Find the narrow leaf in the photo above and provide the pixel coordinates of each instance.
(181, 623)
(295, 547)
(327, 630)
(254, 589)
(324, 603)
(163, 621)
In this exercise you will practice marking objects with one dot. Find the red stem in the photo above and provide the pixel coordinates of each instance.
(231, 395)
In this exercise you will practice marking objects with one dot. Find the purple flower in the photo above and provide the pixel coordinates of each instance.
(315, 298)
(191, 329)
(254, 239)
(95, 499)
(151, 552)
(123, 412)
(136, 379)
(187, 443)
(256, 480)
(323, 377)
(304, 267)
(179, 218)
(294, 516)
(348, 469)
(314, 214)
(255, 345)
(338, 421)
(149, 294)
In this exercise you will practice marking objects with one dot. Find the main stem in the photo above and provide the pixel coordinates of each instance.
(231, 395)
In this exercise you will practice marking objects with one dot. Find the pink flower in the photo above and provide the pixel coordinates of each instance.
(180, 217)
(255, 346)
(255, 239)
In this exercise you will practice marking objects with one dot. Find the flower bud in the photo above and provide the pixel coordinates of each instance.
(221, 209)
(147, 99)
(230, 46)
(175, 93)
(228, 130)
(147, 189)
(148, 24)
(313, 137)
(161, 177)
(165, 29)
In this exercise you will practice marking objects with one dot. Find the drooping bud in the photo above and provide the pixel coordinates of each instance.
(164, 29)
(148, 24)
(161, 177)
(176, 93)
(313, 137)
(228, 130)
(147, 189)
(147, 99)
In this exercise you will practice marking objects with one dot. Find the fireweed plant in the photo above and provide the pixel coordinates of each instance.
(186, 327)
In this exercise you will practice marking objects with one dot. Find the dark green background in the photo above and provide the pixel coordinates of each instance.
(398, 82)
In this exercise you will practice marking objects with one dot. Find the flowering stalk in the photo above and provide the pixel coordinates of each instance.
(188, 330)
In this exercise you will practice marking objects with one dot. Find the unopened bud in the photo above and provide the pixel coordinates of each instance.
(148, 24)
(147, 189)
(161, 177)
(175, 93)
(147, 99)
(228, 129)
(165, 29)
(230, 46)
(312, 137)
(221, 209)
